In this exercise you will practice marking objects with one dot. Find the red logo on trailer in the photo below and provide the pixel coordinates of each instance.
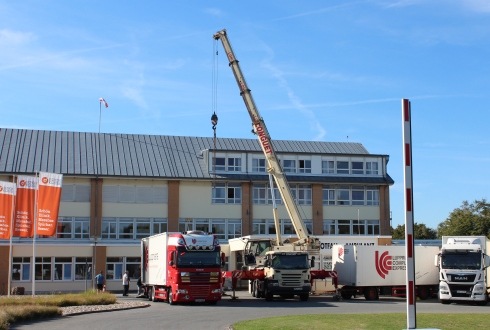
(383, 263)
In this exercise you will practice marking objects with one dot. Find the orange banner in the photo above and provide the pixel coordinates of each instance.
(24, 206)
(7, 194)
(48, 203)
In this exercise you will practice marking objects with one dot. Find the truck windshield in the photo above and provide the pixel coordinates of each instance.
(461, 260)
(290, 261)
(198, 258)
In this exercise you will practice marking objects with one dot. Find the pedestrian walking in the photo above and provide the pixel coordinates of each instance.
(125, 283)
(100, 282)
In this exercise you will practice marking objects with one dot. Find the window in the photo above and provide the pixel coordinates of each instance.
(289, 166)
(71, 227)
(358, 195)
(357, 167)
(135, 194)
(344, 227)
(218, 228)
(109, 228)
(372, 195)
(114, 268)
(126, 229)
(328, 195)
(75, 193)
(227, 193)
(358, 227)
(83, 268)
(328, 166)
(373, 227)
(372, 168)
(267, 226)
(258, 165)
(302, 193)
(21, 269)
(259, 192)
(328, 227)
(220, 164)
(234, 165)
(343, 195)
(342, 167)
(42, 269)
(224, 229)
(62, 268)
(132, 228)
(259, 227)
(304, 166)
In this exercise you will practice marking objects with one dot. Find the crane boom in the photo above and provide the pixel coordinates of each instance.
(260, 129)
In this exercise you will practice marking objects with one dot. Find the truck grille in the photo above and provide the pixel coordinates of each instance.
(292, 280)
(461, 290)
(199, 291)
(470, 278)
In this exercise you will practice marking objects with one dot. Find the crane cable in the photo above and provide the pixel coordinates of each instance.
(214, 102)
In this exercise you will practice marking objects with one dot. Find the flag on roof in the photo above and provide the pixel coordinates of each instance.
(101, 100)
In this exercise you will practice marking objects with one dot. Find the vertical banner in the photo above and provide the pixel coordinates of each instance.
(7, 194)
(48, 203)
(24, 206)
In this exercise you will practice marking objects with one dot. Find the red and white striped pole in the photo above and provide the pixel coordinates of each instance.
(409, 239)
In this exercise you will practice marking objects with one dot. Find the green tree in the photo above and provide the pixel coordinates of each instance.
(469, 219)
(420, 231)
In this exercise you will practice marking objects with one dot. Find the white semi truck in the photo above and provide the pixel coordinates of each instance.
(463, 269)
(371, 270)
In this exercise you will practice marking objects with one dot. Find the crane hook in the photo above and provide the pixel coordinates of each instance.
(214, 120)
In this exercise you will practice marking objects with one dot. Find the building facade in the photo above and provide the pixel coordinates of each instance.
(119, 188)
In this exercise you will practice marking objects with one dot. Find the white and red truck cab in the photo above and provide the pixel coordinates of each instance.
(181, 267)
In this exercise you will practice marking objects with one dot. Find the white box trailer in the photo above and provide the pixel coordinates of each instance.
(369, 270)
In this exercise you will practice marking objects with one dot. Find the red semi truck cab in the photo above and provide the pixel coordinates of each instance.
(181, 267)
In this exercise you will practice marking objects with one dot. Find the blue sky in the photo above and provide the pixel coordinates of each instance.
(318, 70)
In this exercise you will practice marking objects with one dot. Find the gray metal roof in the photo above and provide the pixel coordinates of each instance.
(133, 155)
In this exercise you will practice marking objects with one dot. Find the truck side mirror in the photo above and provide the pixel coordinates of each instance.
(312, 263)
(487, 261)
(436, 260)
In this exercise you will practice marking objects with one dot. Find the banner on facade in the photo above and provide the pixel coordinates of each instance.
(24, 206)
(48, 203)
(7, 195)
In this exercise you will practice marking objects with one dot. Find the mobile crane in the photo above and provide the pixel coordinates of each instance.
(274, 268)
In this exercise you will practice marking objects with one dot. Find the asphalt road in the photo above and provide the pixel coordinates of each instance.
(228, 311)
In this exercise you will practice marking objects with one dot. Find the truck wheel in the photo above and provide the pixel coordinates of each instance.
(346, 295)
(371, 293)
(170, 297)
(254, 289)
(304, 297)
(151, 295)
(423, 293)
(444, 301)
(268, 295)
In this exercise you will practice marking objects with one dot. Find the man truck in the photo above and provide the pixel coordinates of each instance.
(463, 269)
(179, 268)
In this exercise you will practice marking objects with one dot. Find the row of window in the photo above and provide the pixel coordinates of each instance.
(72, 268)
(231, 193)
(339, 167)
(224, 229)
(117, 194)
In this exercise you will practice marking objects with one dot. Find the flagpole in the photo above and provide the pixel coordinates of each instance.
(34, 239)
(11, 253)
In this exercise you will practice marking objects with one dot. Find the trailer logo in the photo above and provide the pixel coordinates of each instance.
(383, 263)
